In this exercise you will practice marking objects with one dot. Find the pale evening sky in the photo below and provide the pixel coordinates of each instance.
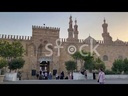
(20, 23)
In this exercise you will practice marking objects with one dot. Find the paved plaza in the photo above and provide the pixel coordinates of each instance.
(108, 81)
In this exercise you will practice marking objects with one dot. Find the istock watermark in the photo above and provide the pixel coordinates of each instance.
(71, 48)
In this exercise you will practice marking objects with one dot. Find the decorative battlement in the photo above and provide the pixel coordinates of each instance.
(81, 40)
(125, 43)
(18, 37)
(100, 41)
(45, 27)
(63, 39)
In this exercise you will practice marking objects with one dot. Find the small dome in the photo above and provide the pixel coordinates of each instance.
(88, 39)
(118, 41)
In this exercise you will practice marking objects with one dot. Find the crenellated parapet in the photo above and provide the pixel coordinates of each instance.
(63, 39)
(100, 41)
(46, 28)
(81, 40)
(126, 42)
(17, 37)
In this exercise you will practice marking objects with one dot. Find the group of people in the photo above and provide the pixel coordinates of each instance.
(62, 76)
(101, 76)
(44, 75)
(48, 75)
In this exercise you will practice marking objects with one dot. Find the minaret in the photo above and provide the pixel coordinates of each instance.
(70, 29)
(107, 38)
(76, 30)
(105, 25)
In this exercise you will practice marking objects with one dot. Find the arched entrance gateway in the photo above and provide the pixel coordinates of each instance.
(45, 63)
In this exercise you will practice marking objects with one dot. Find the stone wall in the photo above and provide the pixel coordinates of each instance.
(116, 76)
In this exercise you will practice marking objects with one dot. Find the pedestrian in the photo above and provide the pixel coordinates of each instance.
(46, 75)
(19, 75)
(62, 75)
(37, 75)
(50, 76)
(101, 76)
(85, 74)
(71, 75)
(57, 76)
(94, 75)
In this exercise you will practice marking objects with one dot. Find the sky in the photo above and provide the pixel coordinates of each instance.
(89, 23)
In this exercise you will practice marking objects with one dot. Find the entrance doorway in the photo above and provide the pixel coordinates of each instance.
(45, 66)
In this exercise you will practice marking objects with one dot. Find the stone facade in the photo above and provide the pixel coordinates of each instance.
(43, 42)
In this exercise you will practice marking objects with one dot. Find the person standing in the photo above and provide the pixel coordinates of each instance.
(71, 75)
(94, 75)
(57, 76)
(46, 75)
(101, 76)
(50, 76)
(85, 74)
(19, 75)
(62, 75)
(37, 75)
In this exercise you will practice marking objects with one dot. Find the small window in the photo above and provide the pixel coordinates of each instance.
(105, 58)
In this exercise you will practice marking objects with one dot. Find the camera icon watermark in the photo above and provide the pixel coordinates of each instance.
(71, 49)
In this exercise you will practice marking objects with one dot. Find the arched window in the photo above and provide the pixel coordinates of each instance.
(40, 49)
(105, 58)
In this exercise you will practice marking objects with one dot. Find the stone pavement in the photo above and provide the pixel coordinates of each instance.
(108, 81)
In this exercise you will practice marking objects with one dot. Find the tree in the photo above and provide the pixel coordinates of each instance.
(5, 48)
(70, 65)
(118, 65)
(17, 49)
(3, 63)
(11, 51)
(89, 65)
(125, 65)
(99, 64)
(89, 62)
(78, 56)
(16, 63)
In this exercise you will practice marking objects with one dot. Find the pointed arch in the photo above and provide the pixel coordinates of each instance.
(40, 49)
(34, 47)
(105, 58)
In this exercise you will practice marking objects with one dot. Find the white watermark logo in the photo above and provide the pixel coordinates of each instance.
(93, 49)
(72, 49)
(58, 46)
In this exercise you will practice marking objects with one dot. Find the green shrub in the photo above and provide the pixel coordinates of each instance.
(107, 72)
(126, 72)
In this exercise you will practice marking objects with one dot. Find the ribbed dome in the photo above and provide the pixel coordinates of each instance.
(118, 41)
(88, 39)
